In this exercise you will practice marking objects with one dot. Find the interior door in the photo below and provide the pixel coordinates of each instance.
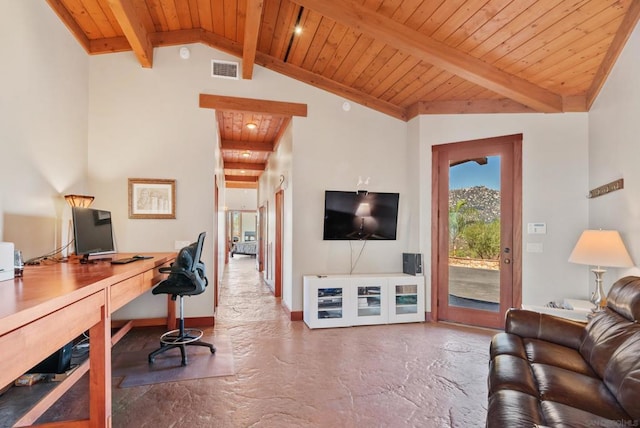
(476, 251)
(278, 252)
(262, 230)
(216, 242)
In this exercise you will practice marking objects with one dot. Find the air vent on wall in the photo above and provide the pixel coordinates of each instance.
(224, 69)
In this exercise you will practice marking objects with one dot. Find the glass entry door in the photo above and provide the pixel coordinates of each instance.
(478, 194)
(474, 233)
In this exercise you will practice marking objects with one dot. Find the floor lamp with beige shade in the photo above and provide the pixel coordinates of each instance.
(600, 248)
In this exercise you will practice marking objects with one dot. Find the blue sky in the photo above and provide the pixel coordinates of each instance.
(471, 174)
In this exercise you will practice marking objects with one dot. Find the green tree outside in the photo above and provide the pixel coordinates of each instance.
(460, 217)
(471, 237)
(483, 239)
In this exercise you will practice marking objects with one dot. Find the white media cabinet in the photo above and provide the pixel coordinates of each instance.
(350, 300)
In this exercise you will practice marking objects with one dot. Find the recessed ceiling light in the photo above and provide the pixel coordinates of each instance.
(246, 154)
(242, 171)
(297, 29)
(251, 125)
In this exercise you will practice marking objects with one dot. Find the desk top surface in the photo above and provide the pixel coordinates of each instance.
(45, 288)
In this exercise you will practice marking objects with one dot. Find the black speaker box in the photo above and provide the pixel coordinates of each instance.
(412, 263)
(58, 362)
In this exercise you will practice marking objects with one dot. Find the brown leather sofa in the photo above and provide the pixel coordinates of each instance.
(550, 371)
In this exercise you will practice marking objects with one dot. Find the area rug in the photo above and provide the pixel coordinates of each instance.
(135, 369)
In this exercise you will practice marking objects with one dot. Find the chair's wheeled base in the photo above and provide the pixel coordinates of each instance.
(180, 339)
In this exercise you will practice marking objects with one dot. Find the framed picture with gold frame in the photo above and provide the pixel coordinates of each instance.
(152, 198)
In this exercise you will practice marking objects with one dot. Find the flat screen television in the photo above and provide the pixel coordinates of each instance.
(92, 232)
(360, 215)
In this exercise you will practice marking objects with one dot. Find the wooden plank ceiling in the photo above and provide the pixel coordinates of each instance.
(400, 57)
(250, 130)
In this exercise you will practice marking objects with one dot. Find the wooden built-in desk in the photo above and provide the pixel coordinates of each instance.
(53, 304)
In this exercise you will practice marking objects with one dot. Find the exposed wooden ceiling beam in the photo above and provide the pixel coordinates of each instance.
(252, 105)
(251, 31)
(221, 43)
(574, 103)
(109, 45)
(176, 37)
(245, 165)
(70, 22)
(438, 54)
(254, 146)
(132, 27)
(467, 107)
(166, 38)
(241, 178)
(626, 28)
(240, 185)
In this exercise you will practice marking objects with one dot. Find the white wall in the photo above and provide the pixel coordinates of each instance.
(614, 151)
(278, 168)
(43, 125)
(241, 199)
(331, 150)
(249, 223)
(147, 123)
(554, 180)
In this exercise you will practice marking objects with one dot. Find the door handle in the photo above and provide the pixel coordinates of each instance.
(507, 250)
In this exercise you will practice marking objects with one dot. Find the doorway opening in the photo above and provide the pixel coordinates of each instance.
(477, 218)
(242, 233)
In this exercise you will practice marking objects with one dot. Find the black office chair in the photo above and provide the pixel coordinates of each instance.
(187, 277)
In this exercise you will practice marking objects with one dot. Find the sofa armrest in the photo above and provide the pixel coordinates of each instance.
(535, 325)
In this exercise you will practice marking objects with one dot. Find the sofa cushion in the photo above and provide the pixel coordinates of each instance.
(576, 390)
(507, 343)
(622, 376)
(513, 409)
(624, 298)
(602, 336)
(545, 327)
(540, 351)
(510, 372)
(561, 415)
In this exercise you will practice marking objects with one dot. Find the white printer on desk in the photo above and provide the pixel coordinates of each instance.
(6, 261)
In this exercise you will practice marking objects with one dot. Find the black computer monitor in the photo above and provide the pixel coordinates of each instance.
(92, 232)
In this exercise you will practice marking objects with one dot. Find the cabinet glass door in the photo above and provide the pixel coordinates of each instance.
(330, 304)
(369, 301)
(406, 302)
(406, 299)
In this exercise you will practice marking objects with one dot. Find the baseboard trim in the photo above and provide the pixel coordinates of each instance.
(162, 322)
(292, 315)
(427, 317)
(200, 322)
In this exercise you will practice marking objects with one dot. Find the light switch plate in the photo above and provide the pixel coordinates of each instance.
(537, 228)
(534, 247)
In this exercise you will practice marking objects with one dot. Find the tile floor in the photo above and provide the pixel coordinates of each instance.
(286, 375)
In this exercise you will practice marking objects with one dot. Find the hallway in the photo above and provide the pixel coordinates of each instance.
(286, 375)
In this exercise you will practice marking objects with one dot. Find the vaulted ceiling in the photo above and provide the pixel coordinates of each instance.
(400, 57)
